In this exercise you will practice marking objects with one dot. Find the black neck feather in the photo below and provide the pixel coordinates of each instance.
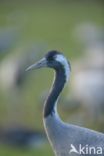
(60, 79)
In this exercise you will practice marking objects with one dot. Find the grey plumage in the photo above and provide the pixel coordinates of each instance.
(64, 136)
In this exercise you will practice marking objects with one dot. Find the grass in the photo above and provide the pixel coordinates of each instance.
(50, 25)
(8, 151)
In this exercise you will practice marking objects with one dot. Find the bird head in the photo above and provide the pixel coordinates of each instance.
(53, 59)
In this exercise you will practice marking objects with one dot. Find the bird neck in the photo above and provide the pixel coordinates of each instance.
(58, 85)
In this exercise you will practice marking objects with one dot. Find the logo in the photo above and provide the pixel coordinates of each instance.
(73, 149)
(86, 150)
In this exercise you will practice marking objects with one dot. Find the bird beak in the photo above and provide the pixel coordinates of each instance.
(39, 64)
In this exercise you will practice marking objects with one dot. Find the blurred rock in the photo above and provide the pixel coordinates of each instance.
(22, 137)
(8, 37)
(88, 78)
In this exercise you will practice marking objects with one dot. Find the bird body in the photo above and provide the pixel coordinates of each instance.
(64, 136)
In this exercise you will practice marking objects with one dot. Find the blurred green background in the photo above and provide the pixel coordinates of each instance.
(28, 29)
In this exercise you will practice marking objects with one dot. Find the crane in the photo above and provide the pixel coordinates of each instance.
(63, 136)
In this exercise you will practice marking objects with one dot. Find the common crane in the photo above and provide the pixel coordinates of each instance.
(63, 136)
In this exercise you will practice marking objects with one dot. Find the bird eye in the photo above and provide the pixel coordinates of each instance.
(50, 57)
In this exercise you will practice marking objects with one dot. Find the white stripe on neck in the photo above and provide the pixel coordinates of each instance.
(60, 58)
